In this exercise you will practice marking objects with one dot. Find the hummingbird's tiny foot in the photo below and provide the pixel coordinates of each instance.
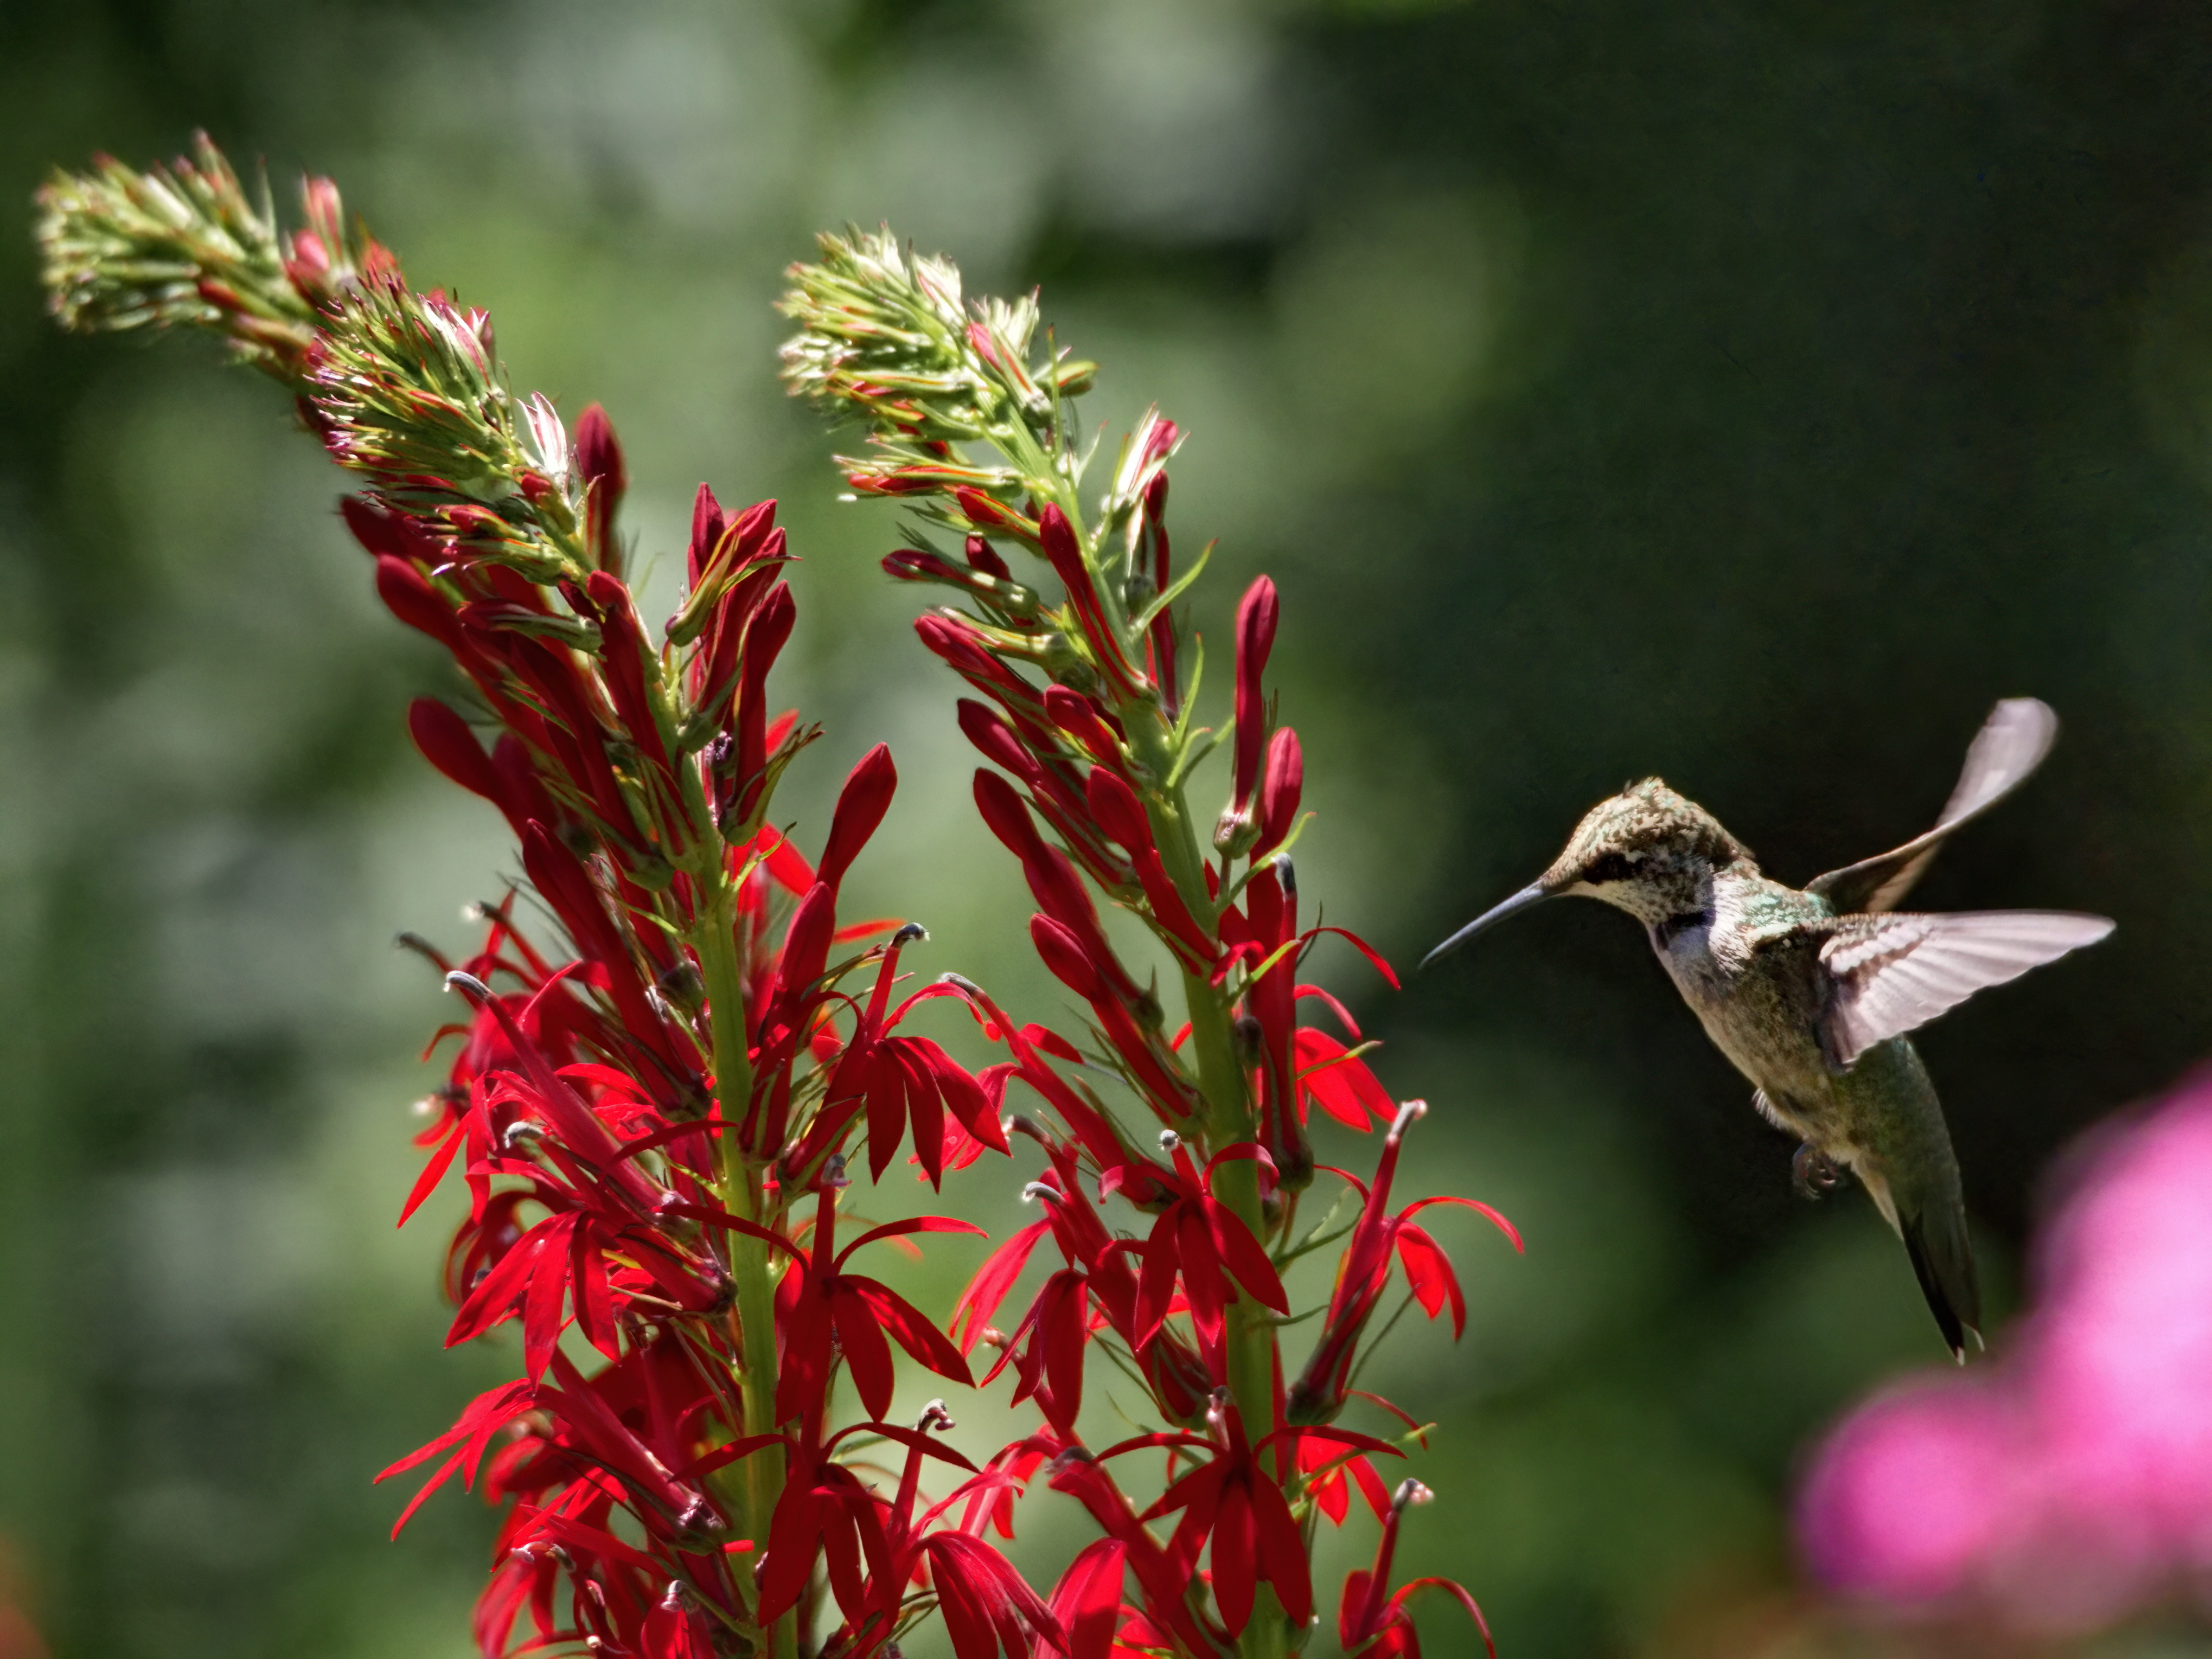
(1814, 1173)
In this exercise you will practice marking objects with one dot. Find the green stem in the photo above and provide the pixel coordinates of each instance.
(1229, 1119)
(714, 938)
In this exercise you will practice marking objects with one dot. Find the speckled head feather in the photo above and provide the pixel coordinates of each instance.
(1645, 834)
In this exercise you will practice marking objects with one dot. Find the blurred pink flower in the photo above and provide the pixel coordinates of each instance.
(2070, 1482)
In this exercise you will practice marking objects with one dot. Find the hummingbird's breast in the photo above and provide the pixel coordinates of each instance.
(1752, 980)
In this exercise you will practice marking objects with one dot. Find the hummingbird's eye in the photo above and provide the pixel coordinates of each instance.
(1612, 867)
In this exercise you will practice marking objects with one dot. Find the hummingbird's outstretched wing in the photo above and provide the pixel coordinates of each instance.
(2011, 743)
(1888, 973)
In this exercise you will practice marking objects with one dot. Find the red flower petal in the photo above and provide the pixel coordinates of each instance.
(906, 1323)
(1282, 1550)
(989, 1289)
(1236, 1557)
(1087, 1601)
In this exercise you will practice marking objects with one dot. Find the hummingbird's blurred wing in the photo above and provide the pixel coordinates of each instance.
(1887, 975)
(2011, 743)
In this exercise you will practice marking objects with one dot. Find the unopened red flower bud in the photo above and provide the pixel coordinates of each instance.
(599, 462)
(982, 556)
(1256, 637)
(1282, 780)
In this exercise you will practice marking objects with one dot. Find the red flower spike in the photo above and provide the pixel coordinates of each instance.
(1255, 636)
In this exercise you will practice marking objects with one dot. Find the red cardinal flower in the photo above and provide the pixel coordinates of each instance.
(1375, 1622)
(1364, 1272)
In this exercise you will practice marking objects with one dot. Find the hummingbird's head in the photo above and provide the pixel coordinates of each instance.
(1647, 850)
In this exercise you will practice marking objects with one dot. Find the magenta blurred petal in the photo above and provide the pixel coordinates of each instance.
(2070, 1483)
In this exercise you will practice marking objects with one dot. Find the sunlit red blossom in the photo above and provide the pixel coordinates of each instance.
(1169, 1586)
(899, 1082)
(822, 1310)
(1234, 1498)
(1200, 1242)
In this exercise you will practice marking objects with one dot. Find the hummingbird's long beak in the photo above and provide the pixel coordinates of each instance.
(1534, 894)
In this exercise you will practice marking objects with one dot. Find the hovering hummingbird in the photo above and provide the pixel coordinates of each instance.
(1810, 994)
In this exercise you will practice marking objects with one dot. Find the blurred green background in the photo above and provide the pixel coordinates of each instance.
(1749, 393)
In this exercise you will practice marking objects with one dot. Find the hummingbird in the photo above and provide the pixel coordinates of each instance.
(1810, 994)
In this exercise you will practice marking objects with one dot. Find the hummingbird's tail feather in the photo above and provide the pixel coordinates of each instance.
(1943, 1261)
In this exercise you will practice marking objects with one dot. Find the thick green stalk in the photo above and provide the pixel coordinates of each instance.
(1229, 1120)
(714, 937)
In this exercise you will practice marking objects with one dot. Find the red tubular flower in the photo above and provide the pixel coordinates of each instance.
(1140, 1179)
(626, 658)
(993, 518)
(818, 1304)
(1087, 1601)
(1200, 1240)
(1364, 1270)
(1233, 1499)
(1085, 967)
(1169, 1583)
(637, 1150)
(1337, 1080)
(676, 1629)
(764, 639)
(1373, 1622)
